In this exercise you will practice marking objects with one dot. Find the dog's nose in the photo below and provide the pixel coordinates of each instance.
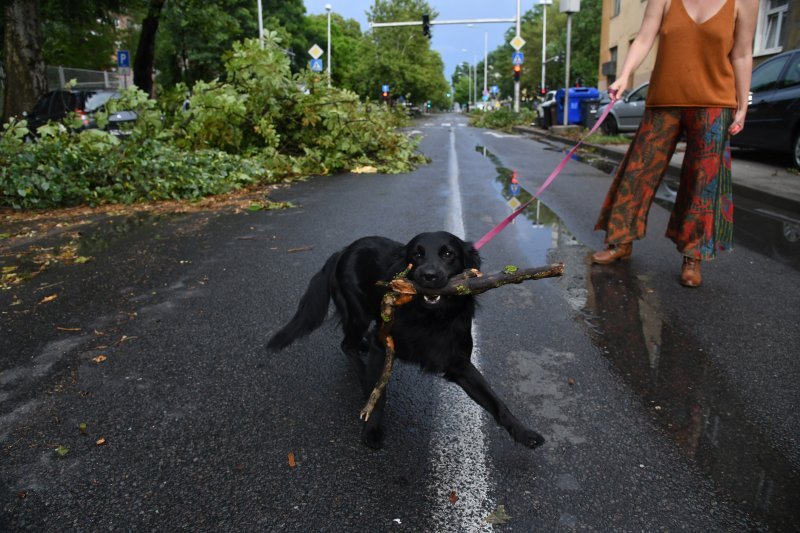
(430, 277)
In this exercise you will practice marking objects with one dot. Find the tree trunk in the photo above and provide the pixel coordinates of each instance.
(26, 79)
(145, 58)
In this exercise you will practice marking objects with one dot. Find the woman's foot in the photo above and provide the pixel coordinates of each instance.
(690, 272)
(613, 253)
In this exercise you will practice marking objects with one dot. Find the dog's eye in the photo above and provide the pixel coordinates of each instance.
(446, 253)
(419, 253)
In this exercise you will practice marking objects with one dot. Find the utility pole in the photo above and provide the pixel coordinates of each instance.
(544, 4)
(328, 8)
(569, 7)
(260, 25)
(516, 82)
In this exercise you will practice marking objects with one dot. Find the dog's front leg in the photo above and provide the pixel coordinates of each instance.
(475, 385)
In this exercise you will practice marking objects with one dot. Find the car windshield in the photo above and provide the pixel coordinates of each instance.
(96, 100)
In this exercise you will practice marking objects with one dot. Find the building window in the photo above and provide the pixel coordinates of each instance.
(617, 7)
(771, 20)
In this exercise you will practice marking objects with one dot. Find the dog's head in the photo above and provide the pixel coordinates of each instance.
(438, 256)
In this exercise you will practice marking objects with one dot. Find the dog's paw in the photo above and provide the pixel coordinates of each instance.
(528, 437)
(372, 437)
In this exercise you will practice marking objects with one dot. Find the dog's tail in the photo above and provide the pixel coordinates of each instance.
(311, 310)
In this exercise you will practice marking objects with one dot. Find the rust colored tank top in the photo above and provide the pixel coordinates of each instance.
(692, 67)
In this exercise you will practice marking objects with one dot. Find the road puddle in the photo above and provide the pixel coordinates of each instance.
(675, 377)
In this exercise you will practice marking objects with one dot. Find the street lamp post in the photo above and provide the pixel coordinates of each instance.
(260, 25)
(328, 8)
(544, 4)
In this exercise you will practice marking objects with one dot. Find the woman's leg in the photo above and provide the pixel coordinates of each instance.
(627, 204)
(702, 219)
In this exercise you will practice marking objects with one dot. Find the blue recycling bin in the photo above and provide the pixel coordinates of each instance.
(576, 96)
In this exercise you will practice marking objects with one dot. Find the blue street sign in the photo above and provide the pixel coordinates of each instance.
(384, 88)
(517, 58)
(514, 189)
(123, 59)
(316, 65)
(495, 89)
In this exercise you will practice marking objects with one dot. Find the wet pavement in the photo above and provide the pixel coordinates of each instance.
(686, 392)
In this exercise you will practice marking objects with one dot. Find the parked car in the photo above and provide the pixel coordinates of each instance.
(627, 112)
(56, 105)
(773, 116)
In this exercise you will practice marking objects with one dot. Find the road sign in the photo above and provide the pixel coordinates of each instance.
(384, 88)
(316, 65)
(517, 42)
(315, 51)
(495, 89)
(123, 59)
(517, 58)
(514, 189)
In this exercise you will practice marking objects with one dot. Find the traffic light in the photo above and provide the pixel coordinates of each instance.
(544, 91)
(517, 71)
(426, 25)
(385, 95)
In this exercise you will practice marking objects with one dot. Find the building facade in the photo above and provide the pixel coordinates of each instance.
(777, 30)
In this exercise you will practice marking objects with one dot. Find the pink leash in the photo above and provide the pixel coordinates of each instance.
(501, 226)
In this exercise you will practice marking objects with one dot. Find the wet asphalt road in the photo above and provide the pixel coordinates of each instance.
(664, 408)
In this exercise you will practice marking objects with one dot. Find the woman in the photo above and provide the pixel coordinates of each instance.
(699, 88)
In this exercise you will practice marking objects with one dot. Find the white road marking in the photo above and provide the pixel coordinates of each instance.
(498, 135)
(459, 459)
(445, 124)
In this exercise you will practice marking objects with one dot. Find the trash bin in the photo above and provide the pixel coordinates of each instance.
(553, 114)
(576, 95)
(590, 111)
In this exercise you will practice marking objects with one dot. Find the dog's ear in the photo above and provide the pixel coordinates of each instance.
(472, 259)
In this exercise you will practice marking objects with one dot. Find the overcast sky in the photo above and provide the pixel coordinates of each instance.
(455, 43)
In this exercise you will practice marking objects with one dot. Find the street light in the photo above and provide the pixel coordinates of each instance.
(328, 8)
(544, 4)
(260, 26)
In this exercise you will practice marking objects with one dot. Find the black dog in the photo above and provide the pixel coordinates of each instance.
(435, 332)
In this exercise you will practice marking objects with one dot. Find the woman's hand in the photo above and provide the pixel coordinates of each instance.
(616, 89)
(738, 121)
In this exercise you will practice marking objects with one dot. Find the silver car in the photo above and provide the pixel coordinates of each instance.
(626, 114)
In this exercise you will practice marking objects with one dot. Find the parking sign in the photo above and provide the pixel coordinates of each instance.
(123, 59)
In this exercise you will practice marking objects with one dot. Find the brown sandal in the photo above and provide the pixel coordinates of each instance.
(614, 252)
(690, 272)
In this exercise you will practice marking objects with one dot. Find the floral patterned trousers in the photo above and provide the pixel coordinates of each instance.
(702, 218)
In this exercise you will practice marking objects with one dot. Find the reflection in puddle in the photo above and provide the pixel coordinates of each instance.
(668, 369)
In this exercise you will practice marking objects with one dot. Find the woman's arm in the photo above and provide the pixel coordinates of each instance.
(741, 58)
(651, 24)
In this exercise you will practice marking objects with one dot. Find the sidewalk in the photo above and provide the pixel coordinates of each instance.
(767, 182)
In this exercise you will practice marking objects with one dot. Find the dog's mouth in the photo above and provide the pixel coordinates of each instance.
(432, 300)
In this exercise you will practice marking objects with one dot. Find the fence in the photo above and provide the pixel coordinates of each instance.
(57, 77)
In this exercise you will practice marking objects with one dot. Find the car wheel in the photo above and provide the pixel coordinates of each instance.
(796, 150)
(610, 125)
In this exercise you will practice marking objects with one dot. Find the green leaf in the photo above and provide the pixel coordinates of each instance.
(499, 516)
(62, 450)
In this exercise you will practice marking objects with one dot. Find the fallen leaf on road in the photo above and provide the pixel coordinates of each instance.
(60, 328)
(99, 359)
(292, 462)
(453, 497)
(22, 494)
(101, 441)
(83, 426)
(570, 381)
(62, 450)
(49, 298)
(499, 516)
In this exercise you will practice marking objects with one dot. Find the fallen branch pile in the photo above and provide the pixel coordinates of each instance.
(472, 282)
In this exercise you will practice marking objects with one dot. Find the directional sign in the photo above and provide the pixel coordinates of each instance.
(123, 59)
(316, 65)
(517, 58)
(514, 189)
(315, 51)
(517, 42)
(495, 89)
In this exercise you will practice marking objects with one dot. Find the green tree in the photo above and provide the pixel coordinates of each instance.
(401, 57)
